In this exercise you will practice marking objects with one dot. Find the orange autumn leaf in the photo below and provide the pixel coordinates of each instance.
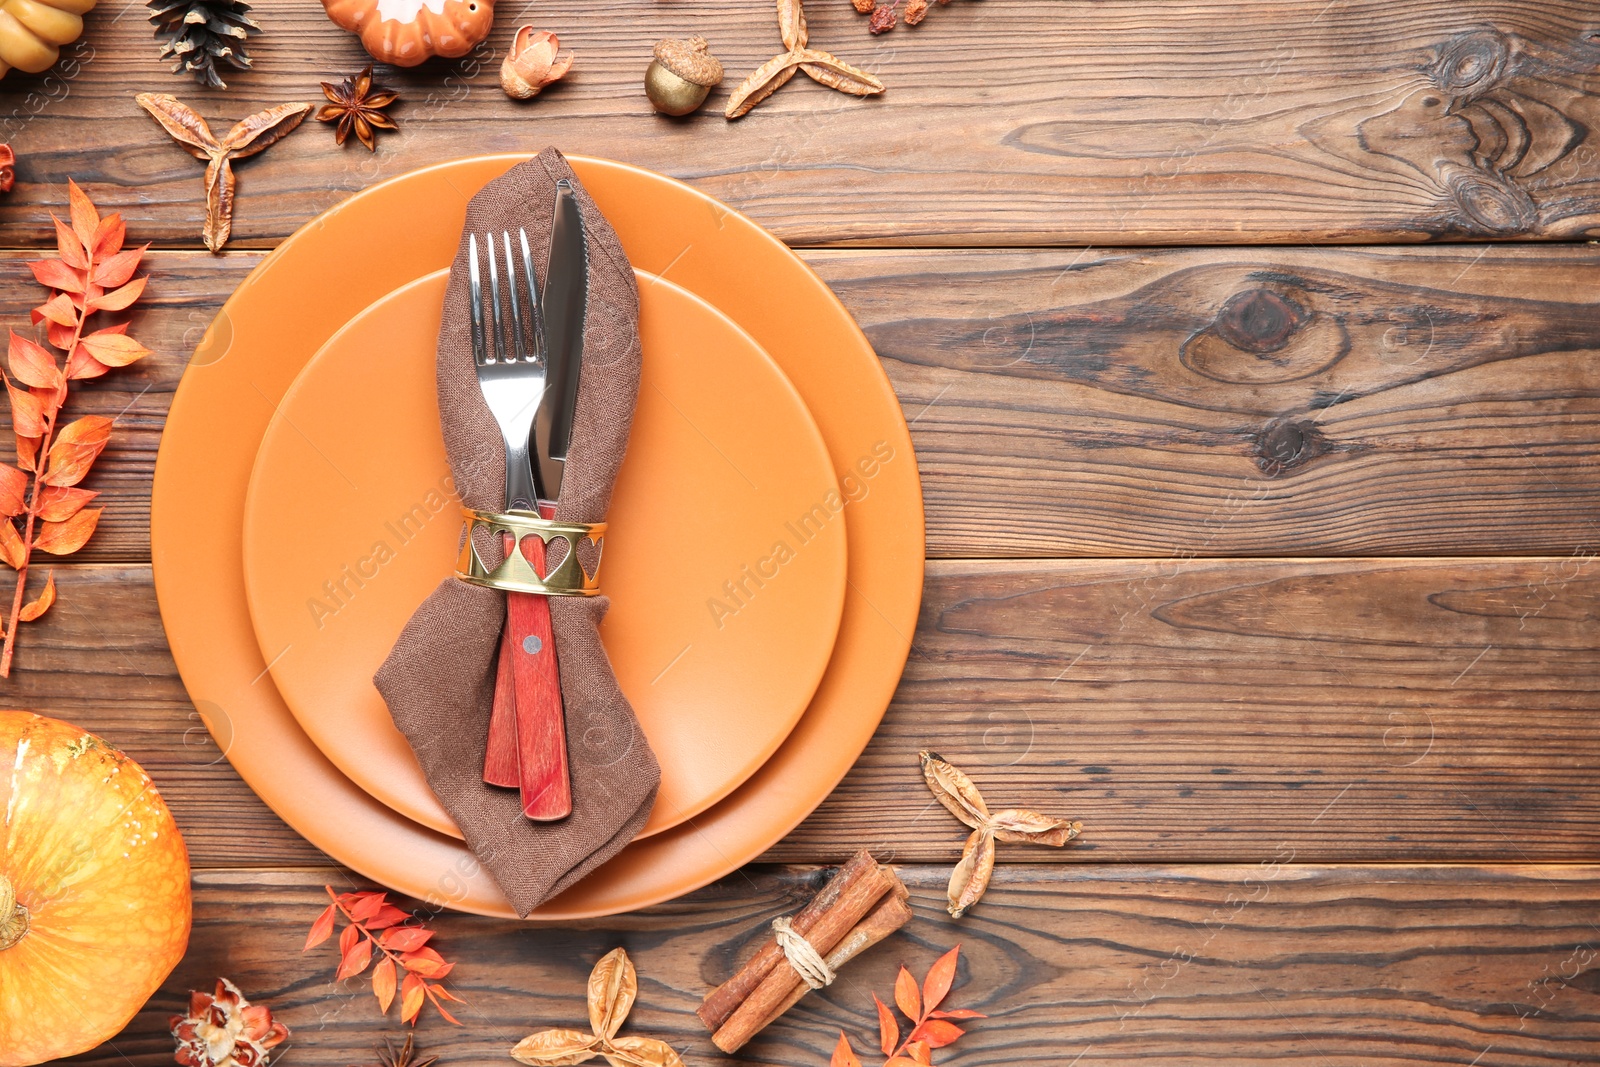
(843, 1054)
(411, 998)
(73, 254)
(85, 218)
(27, 411)
(12, 551)
(888, 1029)
(405, 939)
(109, 235)
(938, 1032)
(355, 960)
(77, 446)
(13, 490)
(321, 930)
(937, 984)
(55, 274)
(82, 365)
(118, 299)
(113, 346)
(426, 962)
(40, 604)
(27, 452)
(59, 502)
(65, 537)
(59, 310)
(31, 364)
(435, 993)
(383, 984)
(116, 270)
(906, 995)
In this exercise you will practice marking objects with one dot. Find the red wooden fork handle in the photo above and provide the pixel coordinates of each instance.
(532, 722)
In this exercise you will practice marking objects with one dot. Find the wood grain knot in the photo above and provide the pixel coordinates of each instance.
(1470, 63)
(1260, 321)
(1265, 334)
(1285, 444)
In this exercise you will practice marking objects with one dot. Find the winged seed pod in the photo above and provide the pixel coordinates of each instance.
(248, 136)
(960, 796)
(613, 987)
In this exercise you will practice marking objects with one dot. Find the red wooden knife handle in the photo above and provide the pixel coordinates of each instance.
(541, 718)
(501, 763)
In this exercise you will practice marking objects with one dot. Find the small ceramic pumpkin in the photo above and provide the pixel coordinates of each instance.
(94, 890)
(33, 31)
(406, 32)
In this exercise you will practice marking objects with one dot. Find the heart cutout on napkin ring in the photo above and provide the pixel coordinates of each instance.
(514, 573)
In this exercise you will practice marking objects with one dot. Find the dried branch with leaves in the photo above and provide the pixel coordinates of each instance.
(957, 792)
(613, 987)
(931, 1027)
(775, 73)
(248, 136)
(91, 274)
(375, 926)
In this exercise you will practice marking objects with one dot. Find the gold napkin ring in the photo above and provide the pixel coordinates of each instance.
(515, 574)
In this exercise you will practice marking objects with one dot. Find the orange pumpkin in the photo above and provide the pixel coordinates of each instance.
(94, 890)
(406, 32)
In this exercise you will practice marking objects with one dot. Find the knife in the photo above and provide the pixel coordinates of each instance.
(528, 717)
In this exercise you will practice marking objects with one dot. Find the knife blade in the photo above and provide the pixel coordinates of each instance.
(564, 300)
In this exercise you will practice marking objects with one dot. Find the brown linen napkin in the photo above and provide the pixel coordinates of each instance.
(439, 678)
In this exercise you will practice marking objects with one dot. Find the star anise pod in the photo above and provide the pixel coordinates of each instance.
(404, 1056)
(354, 105)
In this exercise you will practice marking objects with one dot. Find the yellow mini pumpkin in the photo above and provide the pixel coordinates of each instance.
(94, 890)
(406, 32)
(33, 31)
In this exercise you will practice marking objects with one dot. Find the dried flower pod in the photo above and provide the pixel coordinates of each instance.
(223, 1029)
(863, 7)
(883, 19)
(534, 61)
(8, 168)
(916, 11)
(681, 75)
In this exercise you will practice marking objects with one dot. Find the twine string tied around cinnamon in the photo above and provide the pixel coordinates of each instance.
(802, 955)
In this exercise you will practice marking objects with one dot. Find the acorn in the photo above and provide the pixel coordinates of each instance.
(681, 75)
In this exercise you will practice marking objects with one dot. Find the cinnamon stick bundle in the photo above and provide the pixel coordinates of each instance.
(861, 905)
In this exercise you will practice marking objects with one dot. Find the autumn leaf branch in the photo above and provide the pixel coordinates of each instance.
(91, 274)
(375, 924)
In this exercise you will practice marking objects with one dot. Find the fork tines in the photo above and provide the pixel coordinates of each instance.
(526, 320)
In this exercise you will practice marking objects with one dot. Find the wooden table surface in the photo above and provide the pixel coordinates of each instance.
(1252, 362)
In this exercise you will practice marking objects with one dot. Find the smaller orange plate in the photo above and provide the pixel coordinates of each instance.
(725, 599)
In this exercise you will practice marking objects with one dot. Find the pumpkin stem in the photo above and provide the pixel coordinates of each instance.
(13, 916)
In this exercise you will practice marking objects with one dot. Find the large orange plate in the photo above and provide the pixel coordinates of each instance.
(350, 522)
(398, 231)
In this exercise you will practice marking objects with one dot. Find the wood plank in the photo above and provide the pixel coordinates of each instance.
(1190, 711)
(1024, 123)
(1264, 963)
(1113, 403)
(1218, 402)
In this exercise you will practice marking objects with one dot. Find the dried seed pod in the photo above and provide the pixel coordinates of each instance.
(681, 75)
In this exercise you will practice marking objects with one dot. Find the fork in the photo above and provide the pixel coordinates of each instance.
(527, 732)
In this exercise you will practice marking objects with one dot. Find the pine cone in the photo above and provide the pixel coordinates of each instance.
(226, 1030)
(199, 34)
